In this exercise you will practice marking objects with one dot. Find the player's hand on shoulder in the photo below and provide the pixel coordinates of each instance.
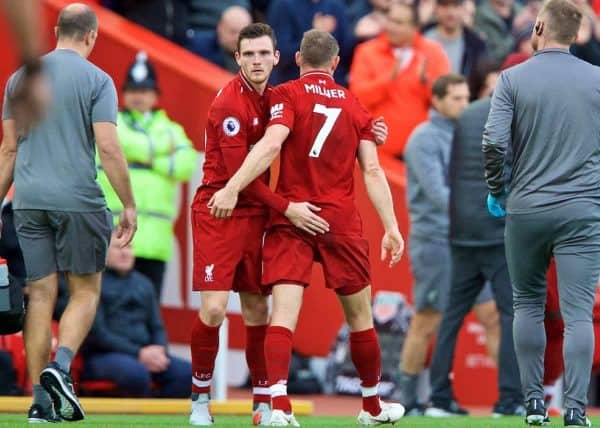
(223, 202)
(380, 129)
(302, 215)
(392, 243)
(127, 226)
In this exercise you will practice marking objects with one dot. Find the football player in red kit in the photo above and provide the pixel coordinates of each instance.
(227, 253)
(325, 129)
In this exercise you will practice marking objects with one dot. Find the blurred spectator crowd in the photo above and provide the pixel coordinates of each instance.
(391, 50)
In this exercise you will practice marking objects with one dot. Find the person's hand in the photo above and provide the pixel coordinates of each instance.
(392, 244)
(223, 202)
(154, 358)
(302, 215)
(496, 205)
(324, 22)
(380, 129)
(127, 226)
(30, 99)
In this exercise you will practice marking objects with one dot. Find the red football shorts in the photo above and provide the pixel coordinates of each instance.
(289, 253)
(227, 252)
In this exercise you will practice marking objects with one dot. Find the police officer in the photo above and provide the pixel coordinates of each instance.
(160, 156)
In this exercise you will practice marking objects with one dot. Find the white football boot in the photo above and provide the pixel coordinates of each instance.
(281, 419)
(200, 415)
(390, 413)
(262, 414)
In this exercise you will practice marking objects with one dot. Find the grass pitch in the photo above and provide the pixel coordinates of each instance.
(19, 420)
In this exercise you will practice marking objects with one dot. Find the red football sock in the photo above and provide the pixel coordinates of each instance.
(366, 356)
(255, 357)
(278, 353)
(553, 358)
(204, 347)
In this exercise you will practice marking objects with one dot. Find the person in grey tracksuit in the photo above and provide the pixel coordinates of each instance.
(548, 110)
(477, 250)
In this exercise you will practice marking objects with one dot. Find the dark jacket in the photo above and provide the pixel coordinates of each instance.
(128, 316)
(475, 49)
(291, 18)
(470, 222)
(206, 44)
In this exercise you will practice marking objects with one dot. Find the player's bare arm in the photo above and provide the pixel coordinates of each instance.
(380, 195)
(114, 164)
(8, 154)
(258, 160)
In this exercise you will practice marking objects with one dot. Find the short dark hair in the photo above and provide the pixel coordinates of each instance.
(563, 20)
(479, 74)
(256, 30)
(442, 83)
(75, 23)
(318, 48)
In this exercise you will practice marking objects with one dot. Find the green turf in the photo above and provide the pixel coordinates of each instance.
(13, 420)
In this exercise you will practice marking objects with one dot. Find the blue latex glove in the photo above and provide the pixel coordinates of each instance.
(496, 204)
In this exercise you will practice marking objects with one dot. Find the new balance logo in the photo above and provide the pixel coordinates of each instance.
(208, 273)
(277, 111)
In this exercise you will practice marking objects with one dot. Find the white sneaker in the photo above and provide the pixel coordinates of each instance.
(390, 413)
(281, 419)
(200, 415)
(261, 415)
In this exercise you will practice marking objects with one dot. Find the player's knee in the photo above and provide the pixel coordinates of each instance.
(425, 323)
(257, 313)
(359, 321)
(212, 312)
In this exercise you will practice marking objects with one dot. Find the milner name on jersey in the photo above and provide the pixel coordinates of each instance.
(319, 90)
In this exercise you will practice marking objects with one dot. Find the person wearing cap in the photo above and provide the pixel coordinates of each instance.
(160, 156)
(464, 47)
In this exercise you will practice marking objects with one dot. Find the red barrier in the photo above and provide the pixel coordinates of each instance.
(188, 85)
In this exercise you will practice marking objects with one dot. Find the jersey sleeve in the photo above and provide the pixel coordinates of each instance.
(282, 108)
(365, 121)
(229, 125)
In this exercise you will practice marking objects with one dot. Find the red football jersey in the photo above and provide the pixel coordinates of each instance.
(326, 125)
(236, 121)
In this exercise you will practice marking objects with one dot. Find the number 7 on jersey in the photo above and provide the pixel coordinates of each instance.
(331, 115)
